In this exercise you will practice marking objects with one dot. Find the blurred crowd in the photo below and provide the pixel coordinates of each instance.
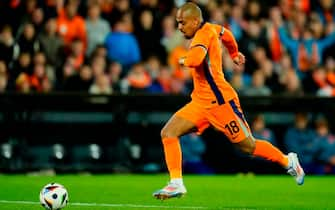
(310, 136)
(125, 46)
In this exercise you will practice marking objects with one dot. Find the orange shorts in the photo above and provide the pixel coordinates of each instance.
(227, 118)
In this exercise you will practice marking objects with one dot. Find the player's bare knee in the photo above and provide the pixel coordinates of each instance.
(248, 149)
(166, 133)
(163, 134)
(243, 149)
(247, 146)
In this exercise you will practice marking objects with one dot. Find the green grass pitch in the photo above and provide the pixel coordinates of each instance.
(130, 192)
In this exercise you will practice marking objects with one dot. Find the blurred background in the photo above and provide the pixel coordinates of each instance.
(86, 86)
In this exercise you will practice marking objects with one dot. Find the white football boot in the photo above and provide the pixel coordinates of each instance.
(172, 190)
(294, 168)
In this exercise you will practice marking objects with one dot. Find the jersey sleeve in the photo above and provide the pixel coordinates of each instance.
(198, 48)
(228, 40)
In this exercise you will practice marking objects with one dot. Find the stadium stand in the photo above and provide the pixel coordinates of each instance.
(53, 47)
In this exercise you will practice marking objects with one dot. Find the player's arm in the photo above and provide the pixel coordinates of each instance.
(198, 50)
(228, 40)
(194, 56)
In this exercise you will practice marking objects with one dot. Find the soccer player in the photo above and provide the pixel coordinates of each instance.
(214, 102)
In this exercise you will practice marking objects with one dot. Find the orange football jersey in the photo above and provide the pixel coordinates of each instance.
(205, 57)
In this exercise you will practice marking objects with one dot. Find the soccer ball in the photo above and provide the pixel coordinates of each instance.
(54, 196)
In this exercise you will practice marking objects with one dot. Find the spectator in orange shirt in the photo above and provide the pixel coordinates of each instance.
(179, 71)
(77, 53)
(162, 83)
(324, 78)
(22, 83)
(37, 77)
(138, 78)
(70, 25)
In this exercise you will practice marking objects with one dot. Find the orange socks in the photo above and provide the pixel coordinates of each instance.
(266, 150)
(173, 157)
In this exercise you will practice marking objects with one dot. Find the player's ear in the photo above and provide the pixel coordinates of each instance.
(196, 22)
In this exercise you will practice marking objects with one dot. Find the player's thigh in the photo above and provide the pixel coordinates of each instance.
(190, 118)
(229, 119)
(177, 126)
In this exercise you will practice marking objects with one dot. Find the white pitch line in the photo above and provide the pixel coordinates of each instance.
(109, 205)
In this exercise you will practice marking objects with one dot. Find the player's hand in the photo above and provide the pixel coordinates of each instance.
(239, 59)
(181, 61)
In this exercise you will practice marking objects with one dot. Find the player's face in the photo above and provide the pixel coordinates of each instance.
(186, 24)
